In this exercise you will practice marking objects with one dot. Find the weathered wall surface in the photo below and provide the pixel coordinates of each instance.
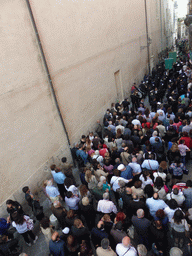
(85, 43)
(31, 132)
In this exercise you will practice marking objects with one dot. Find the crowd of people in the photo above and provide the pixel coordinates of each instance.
(131, 199)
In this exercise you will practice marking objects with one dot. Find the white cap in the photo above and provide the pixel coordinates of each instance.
(66, 230)
(121, 167)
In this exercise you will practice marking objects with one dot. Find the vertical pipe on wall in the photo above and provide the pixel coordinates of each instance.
(147, 34)
(161, 25)
(48, 73)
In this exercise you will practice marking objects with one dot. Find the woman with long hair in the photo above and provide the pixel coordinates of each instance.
(179, 228)
(159, 188)
(90, 179)
(23, 225)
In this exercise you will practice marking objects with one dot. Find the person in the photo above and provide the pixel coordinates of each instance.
(117, 232)
(105, 249)
(188, 194)
(46, 229)
(28, 196)
(56, 245)
(79, 231)
(59, 178)
(125, 248)
(52, 192)
(90, 179)
(125, 172)
(8, 246)
(21, 223)
(115, 180)
(72, 201)
(142, 226)
(4, 226)
(183, 149)
(105, 205)
(72, 246)
(81, 154)
(177, 195)
(179, 226)
(177, 169)
(13, 206)
(59, 212)
(154, 204)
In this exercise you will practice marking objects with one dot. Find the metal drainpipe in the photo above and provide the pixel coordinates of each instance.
(48, 74)
(161, 26)
(147, 34)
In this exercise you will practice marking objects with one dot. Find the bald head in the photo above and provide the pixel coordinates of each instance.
(55, 236)
(126, 241)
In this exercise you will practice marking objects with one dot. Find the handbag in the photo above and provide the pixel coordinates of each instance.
(30, 225)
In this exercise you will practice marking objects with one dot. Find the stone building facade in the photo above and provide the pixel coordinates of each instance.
(94, 51)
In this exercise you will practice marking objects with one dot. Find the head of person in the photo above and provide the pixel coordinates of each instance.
(148, 190)
(178, 216)
(140, 213)
(141, 249)
(69, 194)
(63, 159)
(85, 201)
(126, 241)
(137, 184)
(45, 222)
(25, 189)
(106, 196)
(156, 196)
(68, 182)
(128, 191)
(9, 203)
(189, 183)
(18, 218)
(172, 204)
(176, 191)
(49, 183)
(57, 204)
(121, 167)
(160, 214)
(53, 167)
(78, 223)
(116, 172)
(159, 183)
(175, 251)
(83, 190)
(103, 179)
(55, 236)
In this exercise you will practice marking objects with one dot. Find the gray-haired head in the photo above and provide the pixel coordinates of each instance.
(175, 251)
(105, 243)
(106, 196)
(142, 251)
(140, 213)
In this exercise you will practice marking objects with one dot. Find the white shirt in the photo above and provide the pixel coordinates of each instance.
(72, 202)
(145, 182)
(178, 198)
(21, 228)
(115, 182)
(52, 191)
(106, 206)
(160, 174)
(121, 250)
(150, 164)
(135, 167)
(73, 189)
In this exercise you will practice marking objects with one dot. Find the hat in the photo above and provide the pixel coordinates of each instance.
(85, 201)
(66, 230)
(175, 252)
(121, 167)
